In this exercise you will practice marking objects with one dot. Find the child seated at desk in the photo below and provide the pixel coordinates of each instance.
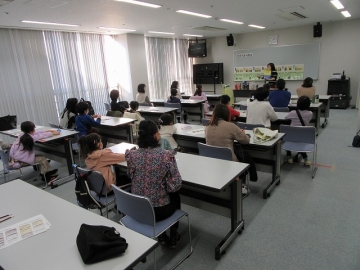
(303, 105)
(280, 97)
(22, 151)
(174, 99)
(134, 114)
(225, 99)
(260, 111)
(67, 119)
(167, 129)
(99, 159)
(154, 174)
(141, 97)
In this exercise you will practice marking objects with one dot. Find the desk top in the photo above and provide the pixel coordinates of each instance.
(156, 110)
(312, 105)
(64, 133)
(183, 101)
(56, 248)
(281, 115)
(110, 121)
(198, 131)
(320, 97)
(209, 96)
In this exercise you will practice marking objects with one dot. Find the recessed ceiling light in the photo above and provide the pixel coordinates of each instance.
(193, 13)
(256, 26)
(337, 4)
(189, 35)
(140, 3)
(346, 13)
(50, 23)
(231, 21)
(117, 29)
(162, 33)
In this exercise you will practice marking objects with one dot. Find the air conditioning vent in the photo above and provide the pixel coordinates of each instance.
(291, 16)
(209, 28)
(298, 15)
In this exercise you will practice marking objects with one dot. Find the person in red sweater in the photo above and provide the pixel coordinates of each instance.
(225, 99)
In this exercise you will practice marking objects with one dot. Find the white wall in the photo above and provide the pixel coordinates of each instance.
(339, 51)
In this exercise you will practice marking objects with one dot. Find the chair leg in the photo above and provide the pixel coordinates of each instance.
(155, 259)
(314, 169)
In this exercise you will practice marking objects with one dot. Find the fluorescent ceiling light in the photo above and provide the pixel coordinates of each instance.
(193, 13)
(231, 21)
(256, 26)
(337, 4)
(189, 35)
(162, 33)
(140, 3)
(50, 23)
(346, 13)
(117, 29)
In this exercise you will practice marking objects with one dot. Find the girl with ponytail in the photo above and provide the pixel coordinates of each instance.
(23, 153)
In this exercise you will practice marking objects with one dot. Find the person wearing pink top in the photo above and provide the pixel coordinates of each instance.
(22, 151)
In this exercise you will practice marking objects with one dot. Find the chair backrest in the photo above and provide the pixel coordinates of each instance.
(134, 206)
(214, 151)
(197, 98)
(53, 125)
(95, 180)
(205, 121)
(248, 126)
(281, 109)
(299, 134)
(243, 107)
(114, 114)
(107, 107)
(173, 105)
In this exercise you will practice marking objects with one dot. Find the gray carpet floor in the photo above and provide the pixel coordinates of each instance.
(305, 224)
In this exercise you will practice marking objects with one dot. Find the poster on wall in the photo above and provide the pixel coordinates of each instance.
(258, 73)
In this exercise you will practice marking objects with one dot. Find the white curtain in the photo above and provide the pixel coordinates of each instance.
(25, 81)
(167, 61)
(77, 66)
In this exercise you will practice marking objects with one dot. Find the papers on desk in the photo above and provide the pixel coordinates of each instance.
(200, 131)
(122, 147)
(23, 230)
(150, 109)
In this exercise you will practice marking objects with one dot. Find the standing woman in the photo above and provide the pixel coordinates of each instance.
(307, 88)
(154, 174)
(175, 85)
(273, 77)
(141, 97)
(67, 119)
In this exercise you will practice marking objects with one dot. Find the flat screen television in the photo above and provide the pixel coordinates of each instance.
(197, 50)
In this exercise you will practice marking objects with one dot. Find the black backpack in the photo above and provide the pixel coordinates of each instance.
(84, 198)
(91, 109)
(8, 122)
(356, 140)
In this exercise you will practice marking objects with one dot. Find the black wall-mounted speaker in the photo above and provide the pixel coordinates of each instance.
(230, 40)
(318, 30)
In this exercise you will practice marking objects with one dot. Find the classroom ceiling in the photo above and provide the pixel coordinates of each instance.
(90, 14)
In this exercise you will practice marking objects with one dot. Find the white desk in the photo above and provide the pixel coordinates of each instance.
(267, 155)
(212, 187)
(154, 113)
(116, 128)
(56, 147)
(56, 248)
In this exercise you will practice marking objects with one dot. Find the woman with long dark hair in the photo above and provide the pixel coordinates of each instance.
(67, 119)
(141, 97)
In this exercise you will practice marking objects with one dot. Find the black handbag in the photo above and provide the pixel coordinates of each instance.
(8, 122)
(99, 243)
(356, 140)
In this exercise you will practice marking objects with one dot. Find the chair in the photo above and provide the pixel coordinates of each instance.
(140, 217)
(97, 189)
(53, 125)
(175, 105)
(300, 139)
(281, 109)
(107, 107)
(7, 169)
(205, 121)
(248, 126)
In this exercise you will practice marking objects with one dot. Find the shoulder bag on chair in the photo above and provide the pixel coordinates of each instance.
(264, 134)
(356, 140)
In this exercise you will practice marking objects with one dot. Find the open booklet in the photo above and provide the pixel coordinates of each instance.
(23, 230)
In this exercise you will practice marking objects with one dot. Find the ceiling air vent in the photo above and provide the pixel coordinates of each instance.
(4, 2)
(291, 13)
(208, 28)
(298, 15)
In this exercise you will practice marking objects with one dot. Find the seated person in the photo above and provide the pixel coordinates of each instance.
(225, 100)
(199, 93)
(116, 106)
(174, 99)
(67, 119)
(141, 97)
(22, 151)
(280, 97)
(154, 174)
(260, 111)
(99, 159)
(134, 114)
(175, 85)
(307, 88)
(85, 122)
(167, 129)
(4, 146)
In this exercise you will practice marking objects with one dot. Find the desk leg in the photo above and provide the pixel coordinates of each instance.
(236, 226)
(276, 167)
(317, 119)
(326, 112)
(202, 111)
(69, 155)
(130, 134)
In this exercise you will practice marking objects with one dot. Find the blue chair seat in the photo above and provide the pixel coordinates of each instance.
(102, 199)
(298, 147)
(148, 230)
